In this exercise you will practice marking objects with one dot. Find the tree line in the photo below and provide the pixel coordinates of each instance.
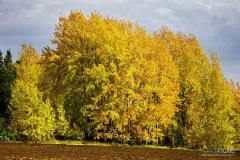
(109, 80)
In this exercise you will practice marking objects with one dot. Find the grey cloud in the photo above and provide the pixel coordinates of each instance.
(215, 23)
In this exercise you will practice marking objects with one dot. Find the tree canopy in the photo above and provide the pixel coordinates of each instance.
(109, 80)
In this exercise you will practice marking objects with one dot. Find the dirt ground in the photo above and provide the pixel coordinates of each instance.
(41, 151)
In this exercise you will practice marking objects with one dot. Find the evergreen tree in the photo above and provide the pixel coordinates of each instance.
(8, 58)
(2, 80)
(9, 77)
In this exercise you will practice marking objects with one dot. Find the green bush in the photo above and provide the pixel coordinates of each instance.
(5, 133)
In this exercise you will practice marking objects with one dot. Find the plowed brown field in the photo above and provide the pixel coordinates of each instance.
(42, 151)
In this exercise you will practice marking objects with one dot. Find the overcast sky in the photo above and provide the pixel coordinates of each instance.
(215, 23)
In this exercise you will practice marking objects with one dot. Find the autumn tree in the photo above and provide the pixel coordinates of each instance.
(111, 80)
(116, 81)
(218, 123)
(32, 117)
(193, 67)
(235, 114)
(203, 91)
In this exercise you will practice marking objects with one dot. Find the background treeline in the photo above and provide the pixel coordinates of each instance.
(109, 80)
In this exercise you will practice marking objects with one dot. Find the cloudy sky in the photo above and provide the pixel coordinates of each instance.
(216, 23)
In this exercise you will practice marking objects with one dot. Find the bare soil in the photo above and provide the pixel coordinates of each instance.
(43, 151)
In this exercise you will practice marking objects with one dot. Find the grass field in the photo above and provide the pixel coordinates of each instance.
(102, 152)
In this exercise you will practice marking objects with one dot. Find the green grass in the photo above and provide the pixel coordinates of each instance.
(91, 143)
(68, 142)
